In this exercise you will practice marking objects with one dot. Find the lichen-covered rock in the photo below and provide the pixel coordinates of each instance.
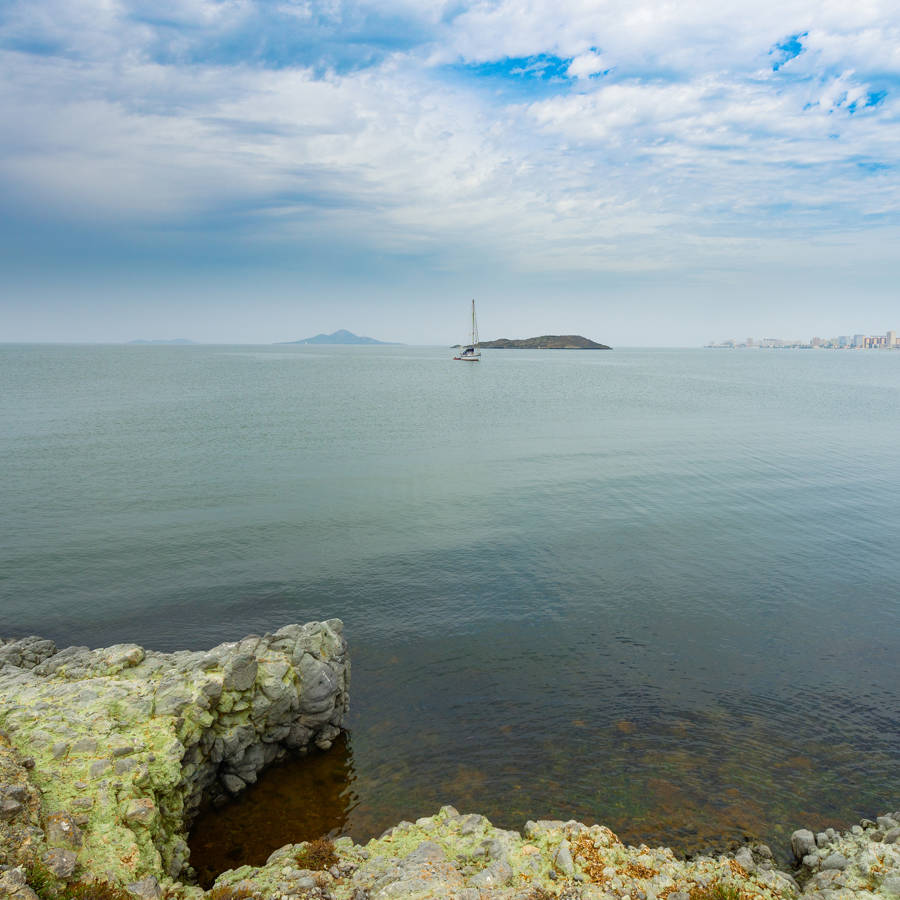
(60, 863)
(20, 808)
(27, 652)
(463, 857)
(125, 743)
(14, 885)
(854, 865)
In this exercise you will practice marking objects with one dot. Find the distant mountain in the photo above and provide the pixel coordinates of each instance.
(547, 342)
(173, 341)
(340, 337)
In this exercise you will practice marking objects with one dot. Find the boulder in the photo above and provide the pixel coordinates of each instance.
(803, 842)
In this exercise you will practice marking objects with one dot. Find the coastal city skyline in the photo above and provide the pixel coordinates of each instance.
(886, 341)
(643, 174)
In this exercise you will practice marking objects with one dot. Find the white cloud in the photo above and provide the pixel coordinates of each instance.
(586, 64)
(693, 148)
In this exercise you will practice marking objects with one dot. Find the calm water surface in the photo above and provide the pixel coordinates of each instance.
(655, 589)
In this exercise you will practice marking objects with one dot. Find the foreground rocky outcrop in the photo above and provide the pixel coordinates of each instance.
(466, 858)
(117, 747)
(105, 756)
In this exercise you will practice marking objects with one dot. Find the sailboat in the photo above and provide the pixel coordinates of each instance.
(470, 351)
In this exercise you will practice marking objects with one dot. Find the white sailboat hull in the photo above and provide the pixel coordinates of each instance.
(470, 352)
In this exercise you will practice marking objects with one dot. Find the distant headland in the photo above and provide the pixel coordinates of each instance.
(547, 342)
(341, 336)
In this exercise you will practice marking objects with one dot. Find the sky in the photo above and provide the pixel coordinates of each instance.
(645, 173)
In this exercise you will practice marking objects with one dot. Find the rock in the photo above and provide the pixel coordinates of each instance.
(496, 874)
(27, 652)
(233, 784)
(60, 862)
(471, 823)
(14, 886)
(9, 809)
(493, 848)
(61, 831)
(886, 823)
(892, 836)
(122, 766)
(240, 672)
(319, 683)
(835, 861)
(172, 699)
(147, 888)
(821, 839)
(141, 811)
(100, 767)
(891, 885)
(803, 842)
(825, 880)
(426, 852)
(562, 859)
(212, 689)
(11, 881)
(744, 858)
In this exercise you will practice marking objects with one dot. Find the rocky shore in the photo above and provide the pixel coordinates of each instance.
(106, 755)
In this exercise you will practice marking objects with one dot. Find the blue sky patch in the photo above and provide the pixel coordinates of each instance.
(541, 67)
(790, 48)
(518, 77)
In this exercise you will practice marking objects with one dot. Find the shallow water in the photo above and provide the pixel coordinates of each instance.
(655, 589)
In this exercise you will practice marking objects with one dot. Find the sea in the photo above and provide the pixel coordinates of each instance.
(655, 589)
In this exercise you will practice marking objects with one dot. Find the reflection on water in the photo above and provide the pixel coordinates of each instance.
(697, 783)
(295, 801)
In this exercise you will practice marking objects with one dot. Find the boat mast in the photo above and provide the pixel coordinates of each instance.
(474, 327)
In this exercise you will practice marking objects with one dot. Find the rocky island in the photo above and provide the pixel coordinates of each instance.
(546, 342)
(106, 755)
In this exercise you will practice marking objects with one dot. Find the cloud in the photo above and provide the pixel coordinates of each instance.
(586, 64)
(457, 130)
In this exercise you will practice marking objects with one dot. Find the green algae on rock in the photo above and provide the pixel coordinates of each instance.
(126, 743)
